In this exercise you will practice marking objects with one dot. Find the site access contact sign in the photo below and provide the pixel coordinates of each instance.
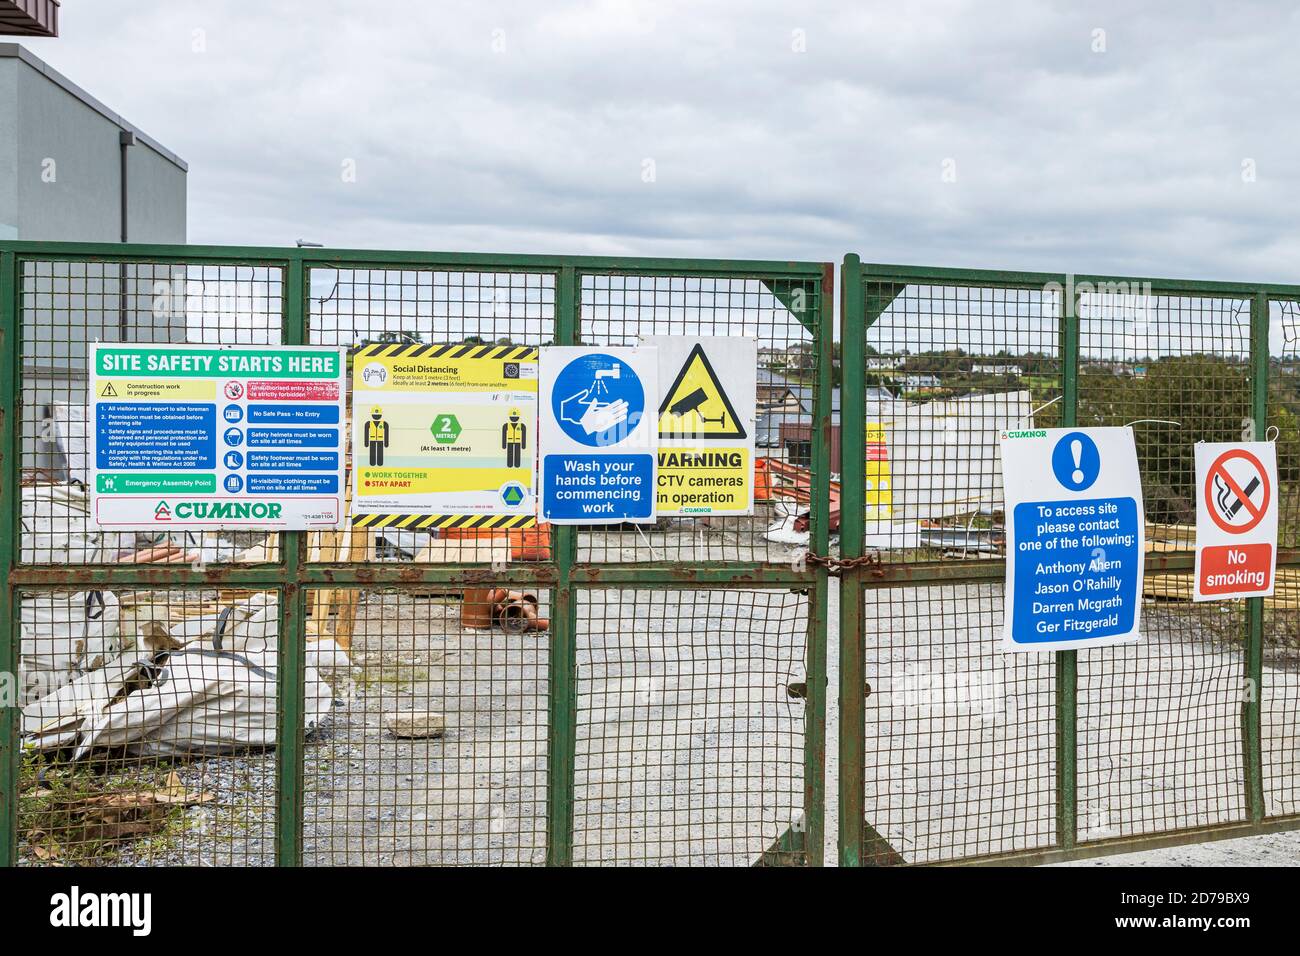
(1074, 538)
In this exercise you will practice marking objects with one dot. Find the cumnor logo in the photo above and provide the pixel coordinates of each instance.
(218, 510)
(161, 512)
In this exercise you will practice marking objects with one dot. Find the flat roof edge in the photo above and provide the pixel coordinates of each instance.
(19, 52)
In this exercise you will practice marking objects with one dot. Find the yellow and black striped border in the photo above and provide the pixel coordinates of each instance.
(448, 522)
(514, 353)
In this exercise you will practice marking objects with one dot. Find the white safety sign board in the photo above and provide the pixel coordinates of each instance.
(597, 434)
(1236, 519)
(708, 393)
(216, 437)
(444, 432)
(1075, 538)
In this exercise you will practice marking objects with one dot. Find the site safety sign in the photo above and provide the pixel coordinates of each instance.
(216, 437)
(444, 436)
(598, 434)
(1075, 538)
(708, 388)
(1236, 520)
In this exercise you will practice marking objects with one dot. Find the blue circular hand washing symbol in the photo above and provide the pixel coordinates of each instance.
(598, 400)
(1076, 461)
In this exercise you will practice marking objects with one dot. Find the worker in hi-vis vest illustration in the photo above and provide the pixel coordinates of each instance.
(514, 439)
(376, 436)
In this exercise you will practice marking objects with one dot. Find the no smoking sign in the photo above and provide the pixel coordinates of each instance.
(1236, 520)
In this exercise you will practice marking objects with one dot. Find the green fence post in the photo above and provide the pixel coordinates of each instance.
(853, 435)
(819, 543)
(290, 679)
(562, 720)
(1250, 707)
(10, 473)
(1067, 662)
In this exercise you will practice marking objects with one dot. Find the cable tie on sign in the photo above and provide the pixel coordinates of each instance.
(653, 553)
(1035, 411)
(1276, 433)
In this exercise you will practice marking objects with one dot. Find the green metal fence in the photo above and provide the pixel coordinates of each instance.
(671, 711)
(951, 751)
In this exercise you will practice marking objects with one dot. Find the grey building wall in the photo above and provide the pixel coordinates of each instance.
(60, 179)
(62, 155)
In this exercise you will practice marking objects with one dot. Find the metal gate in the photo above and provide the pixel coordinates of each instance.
(952, 751)
(671, 711)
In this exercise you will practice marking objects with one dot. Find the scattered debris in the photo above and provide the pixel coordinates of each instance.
(513, 611)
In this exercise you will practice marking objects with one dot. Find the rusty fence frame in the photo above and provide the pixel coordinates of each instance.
(293, 576)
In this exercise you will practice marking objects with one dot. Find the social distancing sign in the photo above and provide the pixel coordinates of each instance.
(216, 437)
(705, 424)
(598, 434)
(1236, 520)
(1075, 538)
(444, 436)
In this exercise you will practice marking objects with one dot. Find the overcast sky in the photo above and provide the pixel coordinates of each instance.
(1033, 135)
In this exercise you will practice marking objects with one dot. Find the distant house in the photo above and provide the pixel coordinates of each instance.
(920, 383)
(983, 369)
(769, 357)
(883, 364)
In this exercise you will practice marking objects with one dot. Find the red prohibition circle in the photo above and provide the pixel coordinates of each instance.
(1209, 491)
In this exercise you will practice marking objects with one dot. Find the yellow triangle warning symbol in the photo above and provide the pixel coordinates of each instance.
(109, 391)
(697, 406)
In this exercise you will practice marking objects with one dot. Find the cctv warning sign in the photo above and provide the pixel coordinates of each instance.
(1236, 520)
(706, 425)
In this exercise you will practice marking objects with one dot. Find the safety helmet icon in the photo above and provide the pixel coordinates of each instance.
(376, 411)
(514, 413)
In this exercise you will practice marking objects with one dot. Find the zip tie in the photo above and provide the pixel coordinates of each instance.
(1039, 409)
(1275, 430)
(799, 561)
(653, 553)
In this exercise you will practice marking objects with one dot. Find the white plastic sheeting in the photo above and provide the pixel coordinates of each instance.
(64, 635)
(216, 693)
(57, 528)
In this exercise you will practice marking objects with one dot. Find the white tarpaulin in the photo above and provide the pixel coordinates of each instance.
(64, 635)
(217, 693)
(57, 528)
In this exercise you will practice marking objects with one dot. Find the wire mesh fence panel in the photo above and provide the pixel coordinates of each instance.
(1280, 707)
(1160, 744)
(948, 368)
(960, 737)
(421, 308)
(1178, 367)
(148, 727)
(435, 750)
(690, 725)
(65, 307)
(780, 315)
(430, 718)
(1280, 690)
(1160, 732)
